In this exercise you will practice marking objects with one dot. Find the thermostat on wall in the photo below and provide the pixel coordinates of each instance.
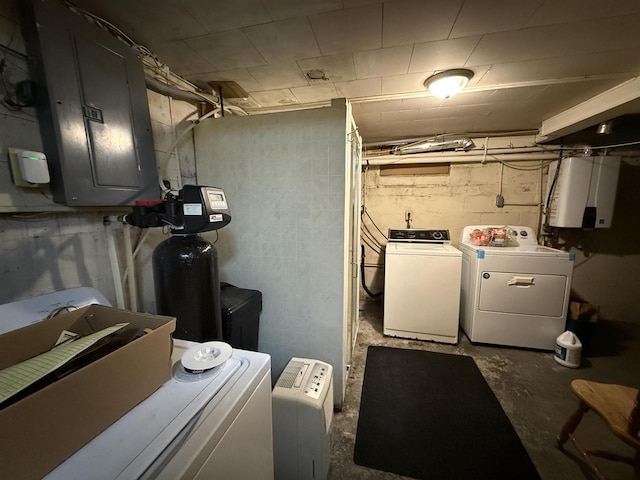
(29, 168)
(33, 166)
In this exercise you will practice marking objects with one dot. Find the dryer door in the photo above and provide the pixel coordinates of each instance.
(522, 293)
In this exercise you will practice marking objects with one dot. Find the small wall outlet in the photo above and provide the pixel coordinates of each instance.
(499, 201)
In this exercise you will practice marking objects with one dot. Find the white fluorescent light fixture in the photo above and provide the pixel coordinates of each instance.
(448, 83)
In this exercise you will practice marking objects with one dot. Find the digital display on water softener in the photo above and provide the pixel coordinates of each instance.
(216, 199)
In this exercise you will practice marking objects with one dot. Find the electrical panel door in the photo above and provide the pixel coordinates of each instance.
(94, 112)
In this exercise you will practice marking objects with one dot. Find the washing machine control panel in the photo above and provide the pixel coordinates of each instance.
(417, 235)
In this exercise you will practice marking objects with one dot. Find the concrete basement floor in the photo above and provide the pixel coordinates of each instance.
(532, 388)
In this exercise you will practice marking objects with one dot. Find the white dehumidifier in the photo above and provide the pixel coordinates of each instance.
(302, 415)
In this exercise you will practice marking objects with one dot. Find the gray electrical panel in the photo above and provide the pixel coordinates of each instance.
(93, 110)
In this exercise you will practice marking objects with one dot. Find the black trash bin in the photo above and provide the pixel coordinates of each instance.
(240, 316)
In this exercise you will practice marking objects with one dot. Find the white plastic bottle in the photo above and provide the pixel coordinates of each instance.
(568, 349)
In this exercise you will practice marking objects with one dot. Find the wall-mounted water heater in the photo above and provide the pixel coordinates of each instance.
(581, 191)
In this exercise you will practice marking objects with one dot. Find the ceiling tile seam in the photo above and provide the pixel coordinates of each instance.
(534, 13)
(315, 36)
(595, 23)
(587, 20)
(195, 17)
(413, 49)
(453, 24)
(267, 12)
(471, 54)
(197, 53)
(259, 53)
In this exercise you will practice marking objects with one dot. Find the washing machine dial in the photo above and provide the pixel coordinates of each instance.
(436, 235)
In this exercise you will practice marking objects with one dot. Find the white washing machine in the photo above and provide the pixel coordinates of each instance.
(422, 286)
(514, 291)
(217, 424)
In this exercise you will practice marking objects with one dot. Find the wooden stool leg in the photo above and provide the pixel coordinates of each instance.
(571, 425)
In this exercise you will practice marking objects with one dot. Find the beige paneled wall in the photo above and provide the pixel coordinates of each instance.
(464, 196)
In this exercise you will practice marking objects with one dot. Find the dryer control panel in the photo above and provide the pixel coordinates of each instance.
(418, 235)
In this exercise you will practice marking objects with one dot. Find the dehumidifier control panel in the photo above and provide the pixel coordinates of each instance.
(316, 381)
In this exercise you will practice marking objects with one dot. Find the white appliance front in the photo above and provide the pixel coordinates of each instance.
(422, 291)
(514, 295)
(217, 424)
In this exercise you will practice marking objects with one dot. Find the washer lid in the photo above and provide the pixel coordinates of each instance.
(129, 446)
(422, 249)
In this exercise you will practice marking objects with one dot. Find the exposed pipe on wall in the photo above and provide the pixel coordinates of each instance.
(176, 93)
(131, 274)
(475, 157)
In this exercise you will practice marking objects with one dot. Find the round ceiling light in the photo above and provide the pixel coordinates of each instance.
(448, 83)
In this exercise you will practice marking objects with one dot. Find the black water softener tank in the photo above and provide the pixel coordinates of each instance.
(187, 286)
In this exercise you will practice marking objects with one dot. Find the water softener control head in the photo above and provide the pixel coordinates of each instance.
(195, 209)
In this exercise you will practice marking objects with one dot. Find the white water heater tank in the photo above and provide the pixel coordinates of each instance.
(582, 193)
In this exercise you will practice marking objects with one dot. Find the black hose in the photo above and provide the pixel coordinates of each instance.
(364, 285)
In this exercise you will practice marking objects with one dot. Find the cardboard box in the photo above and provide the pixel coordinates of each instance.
(43, 429)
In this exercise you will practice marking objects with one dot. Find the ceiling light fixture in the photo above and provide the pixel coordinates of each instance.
(448, 83)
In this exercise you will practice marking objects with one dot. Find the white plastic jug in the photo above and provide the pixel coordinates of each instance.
(568, 349)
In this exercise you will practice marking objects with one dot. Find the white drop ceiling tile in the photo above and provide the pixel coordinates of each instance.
(516, 94)
(600, 63)
(241, 76)
(181, 58)
(468, 98)
(245, 103)
(537, 43)
(440, 112)
(349, 30)
(411, 82)
(359, 88)
(290, 39)
(564, 96)
(222, 15)
(337, 68)
(281, 75)
(364, 119)
(381, 106)
(281, 9)
(146, 21)
(489, 16)
(625, 33)
(415, 21)
(403, 116)
(315, 93)
(227, 50)
(442, 55)
(382, 62)
(421, 103)
(474, 110)
(570, 11)
(274, 98)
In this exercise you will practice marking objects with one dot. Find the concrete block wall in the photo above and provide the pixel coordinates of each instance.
(464, 196)
(606, 263)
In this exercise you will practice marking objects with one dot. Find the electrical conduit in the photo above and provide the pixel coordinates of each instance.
(113, 257)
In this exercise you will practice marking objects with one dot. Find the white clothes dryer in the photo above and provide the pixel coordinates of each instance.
(514, 292)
